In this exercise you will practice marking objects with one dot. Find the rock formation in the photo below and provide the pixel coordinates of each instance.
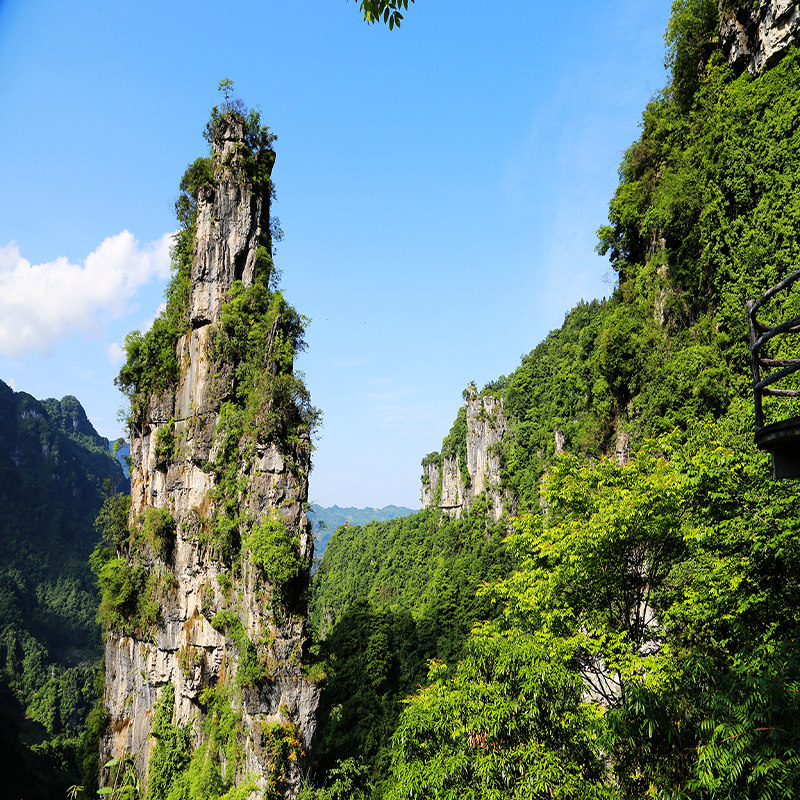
(229, 637)
(453, 482)
(755, 36)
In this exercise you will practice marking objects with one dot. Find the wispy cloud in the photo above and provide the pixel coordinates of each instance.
(41, 303)
(115, 353)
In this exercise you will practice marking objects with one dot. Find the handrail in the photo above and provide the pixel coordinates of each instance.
(760, 334)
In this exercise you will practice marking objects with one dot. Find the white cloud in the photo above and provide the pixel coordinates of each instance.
(42, 303)
(12, 383)
(115, 353)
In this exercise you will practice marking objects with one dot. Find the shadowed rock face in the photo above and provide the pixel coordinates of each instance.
(755, 38)
(185, 649)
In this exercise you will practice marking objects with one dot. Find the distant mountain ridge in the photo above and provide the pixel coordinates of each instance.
(334, 516)
(53, 465)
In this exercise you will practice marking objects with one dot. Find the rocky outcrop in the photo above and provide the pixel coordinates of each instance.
(214, 609)
(453, 479)
(755, 37)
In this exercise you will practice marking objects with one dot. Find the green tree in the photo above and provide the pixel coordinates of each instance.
(388, 10)
(666, 591)
(507, 721)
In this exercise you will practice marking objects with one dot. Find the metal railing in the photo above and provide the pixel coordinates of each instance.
(781, 439)
(760, 334)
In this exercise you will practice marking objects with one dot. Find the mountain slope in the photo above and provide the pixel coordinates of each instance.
(53, 466)
(706, 216)
(327, 520)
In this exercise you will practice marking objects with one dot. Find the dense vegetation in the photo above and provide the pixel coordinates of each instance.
(388, 597)
(326, 520)
(636, 634)
(53, 465)
(647, 643)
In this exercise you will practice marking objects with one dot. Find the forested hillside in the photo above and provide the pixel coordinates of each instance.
(388, 597)
(326, 520)
(642, 639)
(53, 466)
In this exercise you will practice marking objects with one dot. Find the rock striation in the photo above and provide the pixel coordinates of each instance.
(755, 36)
(216, 612)
(454, 478)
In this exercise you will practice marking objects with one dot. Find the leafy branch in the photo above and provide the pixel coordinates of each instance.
(389, 10)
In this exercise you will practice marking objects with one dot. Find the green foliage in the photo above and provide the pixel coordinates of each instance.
(96, 724)
(130, 591)
(389, 10)
(664, 588)
(349, 780)
(151, 366)
(198, 174)
(254, 664)
(165, 443)
(122, 589)
(222, 744)
(506, 722)
(705, 217)
(274, 550)
(112, 520)
(692, 32)
(326, 520)
(282, 742)
(253, 346)
(588, 571)
(259, 335)
(53, 467)
(388, 597)
(122, 781)
(256, 339)
(158, 530)
(255, 154)
(179, 769)
(172, 750)
(454, 444)
(558, 386)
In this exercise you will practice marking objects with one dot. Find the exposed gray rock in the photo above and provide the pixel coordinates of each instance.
(756, 38)
(558, 437)
(230, 218)
(622, 449)
(185, 649)
(486, 429)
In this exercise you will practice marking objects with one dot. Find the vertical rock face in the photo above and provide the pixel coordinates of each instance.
(222, 623)
(454, 480)
(755, 36)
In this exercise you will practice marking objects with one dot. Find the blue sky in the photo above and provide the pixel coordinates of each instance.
(439, 187)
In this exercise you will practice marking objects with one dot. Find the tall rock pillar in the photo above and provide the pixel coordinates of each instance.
(219, 546)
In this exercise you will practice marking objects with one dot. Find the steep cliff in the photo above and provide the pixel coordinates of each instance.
(470, 460)
(204, 683)
(755, 36)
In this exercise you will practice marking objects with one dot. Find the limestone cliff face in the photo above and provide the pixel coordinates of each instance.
(454, 479)
(755, 37)
(184, 649)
